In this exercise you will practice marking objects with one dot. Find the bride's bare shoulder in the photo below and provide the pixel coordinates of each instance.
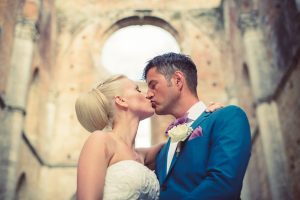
(102, 140)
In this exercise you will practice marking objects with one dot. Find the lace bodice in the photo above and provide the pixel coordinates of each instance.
(129, 179)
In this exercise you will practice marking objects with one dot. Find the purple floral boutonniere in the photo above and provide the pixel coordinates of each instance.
(180, 131)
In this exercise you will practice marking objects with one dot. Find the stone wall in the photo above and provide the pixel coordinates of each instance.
(265, 52)
(289, 107)
(281, 22)
(66, 62)
(257, 178)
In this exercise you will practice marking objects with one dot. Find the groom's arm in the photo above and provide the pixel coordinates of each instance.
(229, 156)
(149, 154)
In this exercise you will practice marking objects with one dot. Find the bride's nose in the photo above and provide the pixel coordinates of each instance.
(149, 95)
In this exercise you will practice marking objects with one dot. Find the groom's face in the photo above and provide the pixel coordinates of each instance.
(161, 92)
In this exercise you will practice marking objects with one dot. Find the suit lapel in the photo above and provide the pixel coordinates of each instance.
(200, 119)
(195, 124)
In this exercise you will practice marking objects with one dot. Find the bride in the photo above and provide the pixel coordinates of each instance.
(110, 167)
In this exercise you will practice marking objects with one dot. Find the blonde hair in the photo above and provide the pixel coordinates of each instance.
(94, 109)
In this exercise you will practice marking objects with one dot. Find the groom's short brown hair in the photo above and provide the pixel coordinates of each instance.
(168, 63)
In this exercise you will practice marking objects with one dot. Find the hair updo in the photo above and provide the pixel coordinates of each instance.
(94, 109)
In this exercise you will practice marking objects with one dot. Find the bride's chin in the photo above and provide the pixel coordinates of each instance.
(147, 115)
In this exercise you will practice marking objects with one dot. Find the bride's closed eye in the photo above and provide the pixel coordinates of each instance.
(138, 89)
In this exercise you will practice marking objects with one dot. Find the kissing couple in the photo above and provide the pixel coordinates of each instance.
(205, 157)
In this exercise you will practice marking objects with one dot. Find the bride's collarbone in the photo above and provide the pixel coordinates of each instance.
(122, 153)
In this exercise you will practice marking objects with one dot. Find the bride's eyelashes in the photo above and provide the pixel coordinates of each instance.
(138, 89)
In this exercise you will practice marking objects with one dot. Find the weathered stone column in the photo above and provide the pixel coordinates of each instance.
(260, 70)
(274, 151)
(245, 193)
(261, 74)
(15, 104)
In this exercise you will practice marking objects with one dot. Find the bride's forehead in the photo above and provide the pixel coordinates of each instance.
(128, 83)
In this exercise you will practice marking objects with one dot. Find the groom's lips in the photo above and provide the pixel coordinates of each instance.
(153, 104)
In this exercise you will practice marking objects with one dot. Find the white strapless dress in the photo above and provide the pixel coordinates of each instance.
(128, 179)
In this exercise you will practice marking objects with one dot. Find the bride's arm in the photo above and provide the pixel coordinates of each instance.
(92, 166)
(149, 154)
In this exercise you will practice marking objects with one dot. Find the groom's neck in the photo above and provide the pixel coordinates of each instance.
(183, 105)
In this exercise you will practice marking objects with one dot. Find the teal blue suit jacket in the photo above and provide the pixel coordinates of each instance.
(211, 166)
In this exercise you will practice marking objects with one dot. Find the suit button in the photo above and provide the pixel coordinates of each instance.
(163, 187)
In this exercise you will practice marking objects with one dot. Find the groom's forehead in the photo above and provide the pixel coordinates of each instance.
(152, 75)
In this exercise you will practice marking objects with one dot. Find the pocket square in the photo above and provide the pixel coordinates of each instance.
(196, 133)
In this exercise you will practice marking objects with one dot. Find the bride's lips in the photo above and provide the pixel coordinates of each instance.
(153, 104)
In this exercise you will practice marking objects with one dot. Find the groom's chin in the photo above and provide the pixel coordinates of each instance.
(159, 112)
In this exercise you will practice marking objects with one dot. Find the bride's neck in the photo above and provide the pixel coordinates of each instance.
(125, 127)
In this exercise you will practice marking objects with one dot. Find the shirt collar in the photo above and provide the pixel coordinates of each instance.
(196, 110)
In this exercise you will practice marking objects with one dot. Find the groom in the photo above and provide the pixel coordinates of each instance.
(208, 161)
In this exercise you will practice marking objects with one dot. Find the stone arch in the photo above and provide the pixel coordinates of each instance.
(134, 20)
(144, 20)
(131, 19)
(78, 65)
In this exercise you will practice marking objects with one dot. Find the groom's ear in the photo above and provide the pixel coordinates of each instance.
(119, 101)
(179, 79)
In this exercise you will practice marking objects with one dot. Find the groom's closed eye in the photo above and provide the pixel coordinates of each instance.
(152, 84)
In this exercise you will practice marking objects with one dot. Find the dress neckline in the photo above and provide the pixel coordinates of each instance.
(122, 161)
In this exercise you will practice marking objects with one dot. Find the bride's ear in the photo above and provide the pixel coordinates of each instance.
(119, 101)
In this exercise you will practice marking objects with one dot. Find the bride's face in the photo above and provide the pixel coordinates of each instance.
(136, 100)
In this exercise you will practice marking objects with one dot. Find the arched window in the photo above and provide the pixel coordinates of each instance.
(127, 51)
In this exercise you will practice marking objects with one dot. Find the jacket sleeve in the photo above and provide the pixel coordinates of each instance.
(229, 156)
